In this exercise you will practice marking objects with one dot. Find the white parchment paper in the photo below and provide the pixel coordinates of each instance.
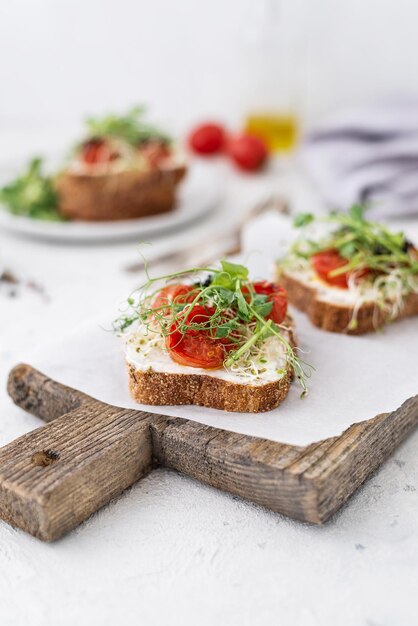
(355, 378)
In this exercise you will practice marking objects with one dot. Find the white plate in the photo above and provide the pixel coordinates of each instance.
(198, 194)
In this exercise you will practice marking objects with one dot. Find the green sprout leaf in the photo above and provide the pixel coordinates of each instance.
(130, 127)
(242, 306)
(357, 212)
(229, 274)
(32, 194)
(223, 331)
(347, 250)
(302, 219)
(234, 270)
(263, 308)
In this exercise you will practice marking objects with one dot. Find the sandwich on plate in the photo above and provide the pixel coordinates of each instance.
(210, 337)
(350, 275)
(123, 168)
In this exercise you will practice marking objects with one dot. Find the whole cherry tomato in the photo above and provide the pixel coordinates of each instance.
(248, 152)
(207, 138)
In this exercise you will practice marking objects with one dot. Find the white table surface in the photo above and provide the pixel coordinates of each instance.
(171, 550)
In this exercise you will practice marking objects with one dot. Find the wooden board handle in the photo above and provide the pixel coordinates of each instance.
(54, 477)
(43, 397)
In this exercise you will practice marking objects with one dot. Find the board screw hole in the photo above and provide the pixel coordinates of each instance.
(45, 458)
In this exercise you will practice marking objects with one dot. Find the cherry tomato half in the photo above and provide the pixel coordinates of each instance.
(97, 151)
(248, 152)
(275, 294)
(207, 138)
(196, 348)
(155, 152)
(326, 262)
(172, 293)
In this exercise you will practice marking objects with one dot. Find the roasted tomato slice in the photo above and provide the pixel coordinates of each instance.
(97, 151)
(155, 152)
(326, 262)
(195, 347)
(179, 294)
(276, 295)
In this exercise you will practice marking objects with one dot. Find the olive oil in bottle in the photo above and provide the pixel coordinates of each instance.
(279, 131)
(269, 90)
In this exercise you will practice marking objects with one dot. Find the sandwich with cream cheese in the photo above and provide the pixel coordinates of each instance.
(210, 337)
(124, 168)
(350, 275)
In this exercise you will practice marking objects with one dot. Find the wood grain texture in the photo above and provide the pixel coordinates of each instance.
(102, 450)
(54, 477)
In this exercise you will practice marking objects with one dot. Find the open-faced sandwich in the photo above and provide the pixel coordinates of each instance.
(123, 168)
(210, 337)
(350, 275)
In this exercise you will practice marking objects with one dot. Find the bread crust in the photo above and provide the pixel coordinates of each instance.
(120, 195)
(162, 388)
(336, 318)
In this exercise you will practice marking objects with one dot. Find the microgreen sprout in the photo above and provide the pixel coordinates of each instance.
(236, 313)
(363, 243)
(130, 127)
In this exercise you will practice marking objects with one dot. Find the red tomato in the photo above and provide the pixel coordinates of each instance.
(155, 152)
(327, 261)
(97, 151)
(172, 293)
(277, 295)
(207, 138)
(248, 152)
(196, 348)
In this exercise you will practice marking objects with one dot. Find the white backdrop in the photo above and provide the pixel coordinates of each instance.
(60, 59)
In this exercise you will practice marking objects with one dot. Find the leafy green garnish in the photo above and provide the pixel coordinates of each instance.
(302, 219)
(347, 250)
(237, 313)
(130, 127)
(365, 244)
(32, 194)
(356, 212)
(234, 270)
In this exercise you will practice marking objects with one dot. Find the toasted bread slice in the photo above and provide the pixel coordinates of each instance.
(118, 195)
(164, 382)
(161, 388)
(325, 311)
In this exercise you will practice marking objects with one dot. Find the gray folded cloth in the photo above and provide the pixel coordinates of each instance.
(367, 155)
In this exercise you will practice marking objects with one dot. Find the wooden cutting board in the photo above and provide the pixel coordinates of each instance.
(56, 476)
